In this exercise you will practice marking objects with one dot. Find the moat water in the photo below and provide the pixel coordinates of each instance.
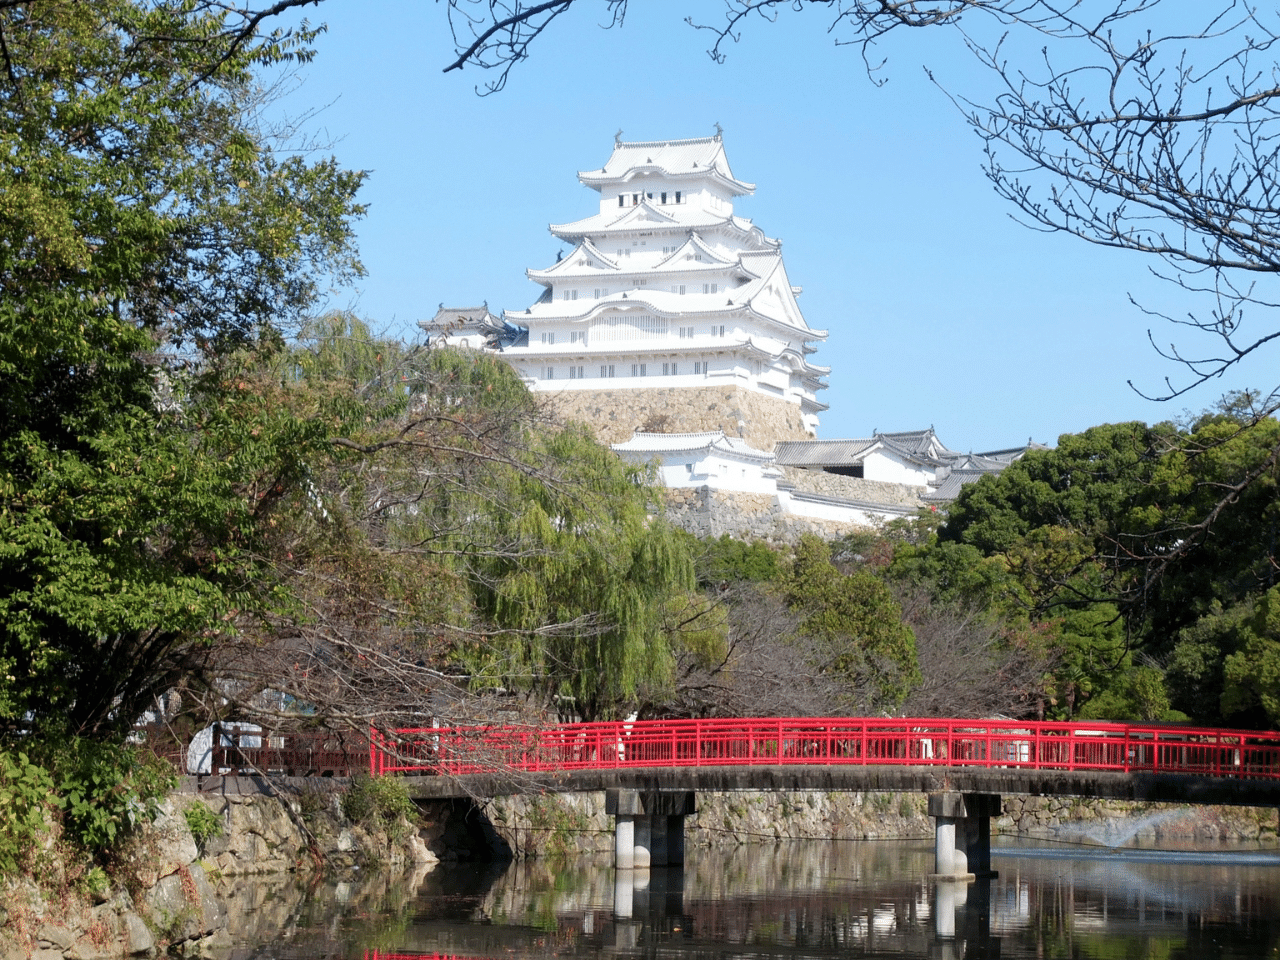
(798, 899)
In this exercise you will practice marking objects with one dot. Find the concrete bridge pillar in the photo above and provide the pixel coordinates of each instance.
(962, 833)
(624, 841)
(642, 852)
(648, 826)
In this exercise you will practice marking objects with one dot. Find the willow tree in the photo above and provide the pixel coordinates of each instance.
(579, 600)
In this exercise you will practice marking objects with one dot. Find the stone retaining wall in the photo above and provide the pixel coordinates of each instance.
(854, 488)
(746, 516)
(613, 415)
(542, 825)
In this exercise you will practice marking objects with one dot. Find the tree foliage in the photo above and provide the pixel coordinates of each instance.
(1146, 549)
(859, 624)
(142, 210)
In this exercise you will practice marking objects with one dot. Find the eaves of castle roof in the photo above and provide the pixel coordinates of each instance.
(672, 306)
(949, 488)
(666, 219)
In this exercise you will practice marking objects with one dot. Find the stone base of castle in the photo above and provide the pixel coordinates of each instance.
(743, 516)
(614, 414)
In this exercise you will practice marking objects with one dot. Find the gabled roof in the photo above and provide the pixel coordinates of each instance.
(462, 319)
(771, 297)
(565, 266)
(680, 159)
(1011, 454)
(698, 246)
(686, 443)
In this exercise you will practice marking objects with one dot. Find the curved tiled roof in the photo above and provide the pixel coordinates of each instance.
(642, 442)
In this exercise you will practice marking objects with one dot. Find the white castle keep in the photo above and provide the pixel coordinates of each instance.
(672, 329)
(666, 290)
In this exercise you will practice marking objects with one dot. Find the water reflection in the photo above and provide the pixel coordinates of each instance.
(830, 899)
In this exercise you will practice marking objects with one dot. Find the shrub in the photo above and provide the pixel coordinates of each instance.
(26, 789)
(381, 802)
(107, 789)
(203, 823)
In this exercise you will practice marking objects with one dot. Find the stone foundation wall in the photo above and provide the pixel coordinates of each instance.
(746, 516)
(614, 414)
(547, 824)
(854, 488)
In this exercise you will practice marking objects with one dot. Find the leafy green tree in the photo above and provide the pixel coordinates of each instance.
(141, 210)
(1252, 673)
(725, 561)
(859, 623)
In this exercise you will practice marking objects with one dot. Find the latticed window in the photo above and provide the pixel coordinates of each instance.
(616, 329)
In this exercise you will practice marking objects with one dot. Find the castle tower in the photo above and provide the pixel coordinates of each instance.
(671, 313)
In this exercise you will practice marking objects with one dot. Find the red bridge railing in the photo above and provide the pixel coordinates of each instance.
(865, 741)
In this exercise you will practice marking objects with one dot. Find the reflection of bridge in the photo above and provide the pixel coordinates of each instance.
(650, 769)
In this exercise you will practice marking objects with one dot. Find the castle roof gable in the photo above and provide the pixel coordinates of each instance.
(583, 259)
(703, 157)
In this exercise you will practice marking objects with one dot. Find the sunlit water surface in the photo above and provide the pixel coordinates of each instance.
(801, 899)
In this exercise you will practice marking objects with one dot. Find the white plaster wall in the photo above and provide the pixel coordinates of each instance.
(813, 510)
(879, 465)
(715, 471)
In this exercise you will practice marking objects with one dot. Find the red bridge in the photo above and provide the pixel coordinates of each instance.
(650, 771)
(831, 741)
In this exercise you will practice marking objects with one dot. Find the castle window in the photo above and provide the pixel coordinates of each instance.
(639, 369)
(699, 366)
(548, 373)
(577, 336)
(678, 200)
(671, 369)
(709, 287)
(575, 373)
(549, 338)
(664, 197)
(635, 199)
(678, 288)
(606, 369)
(619, 199)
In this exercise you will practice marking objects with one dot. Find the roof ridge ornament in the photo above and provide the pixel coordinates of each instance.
(617, 137)
(719, 130)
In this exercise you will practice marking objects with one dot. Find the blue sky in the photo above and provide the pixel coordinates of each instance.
(941, 309)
